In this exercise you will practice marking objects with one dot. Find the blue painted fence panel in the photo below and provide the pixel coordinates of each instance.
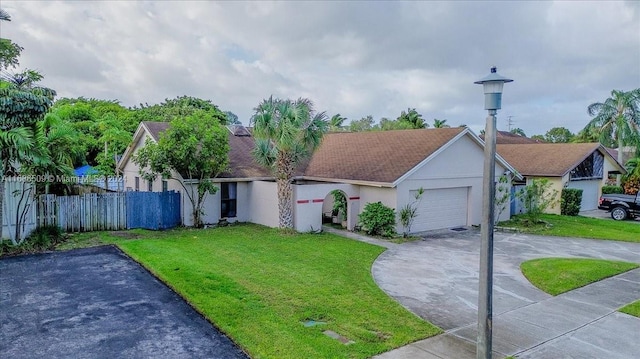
(153, 210)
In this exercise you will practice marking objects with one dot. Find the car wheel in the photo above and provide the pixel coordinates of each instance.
(619, 213)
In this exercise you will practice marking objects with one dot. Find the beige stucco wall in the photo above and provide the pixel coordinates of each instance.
(459, 165)
(309, 204)
(556, 184)
(263, 203)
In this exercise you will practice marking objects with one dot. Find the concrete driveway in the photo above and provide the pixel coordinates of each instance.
(437, 278)
(98, 303)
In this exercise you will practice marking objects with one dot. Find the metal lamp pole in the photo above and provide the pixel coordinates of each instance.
(492, 102)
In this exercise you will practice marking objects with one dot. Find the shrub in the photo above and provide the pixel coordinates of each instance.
(570, 200)
(612, 189)
(632, 185)
(409, 212)
(41, 239)
(537, 197)
(378, 219)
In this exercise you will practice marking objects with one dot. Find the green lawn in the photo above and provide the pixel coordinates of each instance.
(578, 226)
(632, 309)
(259, 286)
(559, 275)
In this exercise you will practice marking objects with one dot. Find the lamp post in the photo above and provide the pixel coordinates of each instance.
(492, 84)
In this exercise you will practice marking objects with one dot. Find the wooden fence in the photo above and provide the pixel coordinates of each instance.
(23, 211)
(88, 212)
(109, 211)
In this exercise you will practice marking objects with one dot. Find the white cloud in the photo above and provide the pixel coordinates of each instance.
(354, 58)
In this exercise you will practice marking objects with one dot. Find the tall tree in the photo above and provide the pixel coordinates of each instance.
(412, 117)
(178, 107)
(336, 122)
(518, 131)
(9, 51)
(616, 121)
(387, 124)
(286, 132)
(57, 144)
(232, 118)
(363, 124)
(195, 147)
(22, 104)
(558, 135)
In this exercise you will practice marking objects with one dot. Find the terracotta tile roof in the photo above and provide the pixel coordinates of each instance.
(376, 156)
(546, 159)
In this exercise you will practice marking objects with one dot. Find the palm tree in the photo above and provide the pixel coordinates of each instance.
(22, 105)
(57, 144)
(413, 117)
(617, 120)
(286, 132)
(336, 122)
(440, 123)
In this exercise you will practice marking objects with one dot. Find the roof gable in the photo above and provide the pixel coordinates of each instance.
(375, 156)
(241, 143)
(548, 159)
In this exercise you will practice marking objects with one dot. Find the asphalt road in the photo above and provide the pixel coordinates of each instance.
(98, 303)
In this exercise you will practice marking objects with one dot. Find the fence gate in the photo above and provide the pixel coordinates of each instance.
(153, 210)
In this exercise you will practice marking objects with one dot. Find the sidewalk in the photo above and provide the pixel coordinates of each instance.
(583, 323)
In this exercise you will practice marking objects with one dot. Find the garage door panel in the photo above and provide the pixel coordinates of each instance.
(590, 193)
(442, 208)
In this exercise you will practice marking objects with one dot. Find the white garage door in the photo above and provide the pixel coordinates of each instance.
(442, 208)
(590, 193)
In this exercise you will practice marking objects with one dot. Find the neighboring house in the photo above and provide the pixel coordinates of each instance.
(584, 166)
(506, 137)
(386, 166)
(89, 176)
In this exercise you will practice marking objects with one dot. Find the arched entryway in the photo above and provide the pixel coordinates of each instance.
(335, 209)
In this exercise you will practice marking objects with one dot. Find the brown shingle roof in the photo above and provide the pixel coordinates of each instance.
(155, 128)
(377, 156)
(505, 137)
(241, 163)
(546, 159)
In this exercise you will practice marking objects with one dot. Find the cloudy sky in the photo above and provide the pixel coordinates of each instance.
(356, 58)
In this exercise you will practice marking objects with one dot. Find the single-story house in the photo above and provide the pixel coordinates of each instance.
(386, 166)
(584, 166)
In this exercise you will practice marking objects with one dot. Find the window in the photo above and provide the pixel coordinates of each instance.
(165, 186)
(150, 185)
(137, 184)
(590, 168)
(228, 194)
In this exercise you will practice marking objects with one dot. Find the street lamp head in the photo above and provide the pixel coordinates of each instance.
(492, 85)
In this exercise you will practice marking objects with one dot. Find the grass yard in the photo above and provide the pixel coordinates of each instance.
(259, 286)
(632, 309)
(559, 275)
(578, 226)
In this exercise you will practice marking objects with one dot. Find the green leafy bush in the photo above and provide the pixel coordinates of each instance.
(41, 239)
(537, 197)
(570, 200)
(612, 189)
(378, 219)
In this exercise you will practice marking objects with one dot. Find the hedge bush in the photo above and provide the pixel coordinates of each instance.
(41, 239)
(612, 189)
(378, 219)
(570, 200)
